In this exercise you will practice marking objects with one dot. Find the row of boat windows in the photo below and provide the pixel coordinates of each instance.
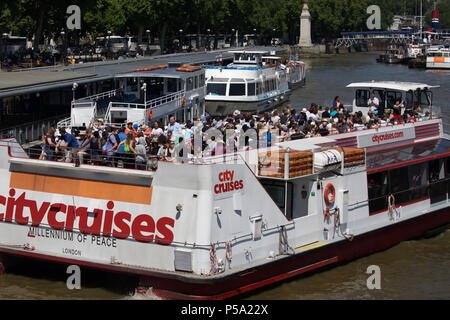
(438, 54)
(409, 184)
(156, 84)
(429, 179)
(242, 89)
(389, 98)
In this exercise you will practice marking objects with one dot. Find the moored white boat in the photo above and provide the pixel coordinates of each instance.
(438, 57)
(144, 95)
(254, 81)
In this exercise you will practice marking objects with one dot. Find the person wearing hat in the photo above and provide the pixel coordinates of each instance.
(99, 127)
(130, 128)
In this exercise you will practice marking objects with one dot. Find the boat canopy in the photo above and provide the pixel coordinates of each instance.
(392, 85)
(160, 73)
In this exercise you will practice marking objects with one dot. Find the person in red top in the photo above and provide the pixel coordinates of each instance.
(130, 128)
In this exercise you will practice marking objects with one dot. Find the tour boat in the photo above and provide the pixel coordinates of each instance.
(144, 95)
(222, 226)
(438, 57)
(254, 81)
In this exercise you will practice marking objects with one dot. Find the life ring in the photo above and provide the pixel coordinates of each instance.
(150, 114)
(329, 194)
(183, 101)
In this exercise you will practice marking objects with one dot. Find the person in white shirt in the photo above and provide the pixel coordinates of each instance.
(373, 103)
(156, 131)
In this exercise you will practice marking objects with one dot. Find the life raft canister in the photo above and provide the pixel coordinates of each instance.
(329, 194)
(150, 114)
(183, 101)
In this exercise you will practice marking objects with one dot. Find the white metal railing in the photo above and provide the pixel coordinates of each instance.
(65, 123)
(164, 99)
(151, 104)
(108, 94)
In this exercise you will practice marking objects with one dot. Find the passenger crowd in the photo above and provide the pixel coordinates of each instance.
(141, 147)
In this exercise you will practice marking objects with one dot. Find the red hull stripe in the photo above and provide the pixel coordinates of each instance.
(250, 287)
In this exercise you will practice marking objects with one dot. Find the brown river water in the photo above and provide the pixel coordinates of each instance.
(415, 269)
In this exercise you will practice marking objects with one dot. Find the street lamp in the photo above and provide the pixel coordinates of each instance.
(63, 45)
(232, 33)
(208, 38)
(144, 88)
(181, 39)
(108, 39)
(74, 88)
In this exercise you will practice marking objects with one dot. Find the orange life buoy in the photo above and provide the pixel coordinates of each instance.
(183, 101)
(329, 194)
(150, 114)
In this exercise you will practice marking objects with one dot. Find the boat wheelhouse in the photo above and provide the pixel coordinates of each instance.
(296, 74)
(415, 51)
(395, 55)
(254, 81)
(438, 57)
(145, 95)
(388, 92)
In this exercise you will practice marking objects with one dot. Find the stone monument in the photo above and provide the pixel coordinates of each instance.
(305, 27)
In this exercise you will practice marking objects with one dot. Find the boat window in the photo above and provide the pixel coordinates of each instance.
(195, 82)
(409, 99)
(380, 94)
(189, 84)
(251, 89)
(436, 170)
(392, 97)
(277, 191)
(258, 88)
(377, 184)
(172, 85)
(399, 184)
(362, 96)
(446, 55)
(132, 84)
(438, 184)
(418, 181)
(217, 89)
(202, 80)
(424, 99)
(447, 174)
(237, 89)
(447, 169)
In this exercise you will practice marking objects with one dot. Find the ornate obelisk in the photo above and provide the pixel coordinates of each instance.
(305, 27)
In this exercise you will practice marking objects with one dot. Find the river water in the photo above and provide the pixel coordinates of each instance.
(416, 269)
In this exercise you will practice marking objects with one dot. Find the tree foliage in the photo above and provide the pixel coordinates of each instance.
(41, 19)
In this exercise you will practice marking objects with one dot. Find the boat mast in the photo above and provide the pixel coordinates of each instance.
(421, 9)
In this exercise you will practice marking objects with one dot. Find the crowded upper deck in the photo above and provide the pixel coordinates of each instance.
(141, 147)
